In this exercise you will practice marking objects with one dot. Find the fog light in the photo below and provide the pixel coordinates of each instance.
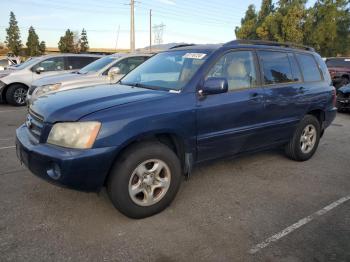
(54, 172)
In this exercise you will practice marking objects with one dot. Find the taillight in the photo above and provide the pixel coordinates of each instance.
(334, 94)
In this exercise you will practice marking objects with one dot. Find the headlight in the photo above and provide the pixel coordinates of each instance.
(80, 135)
(46, 89)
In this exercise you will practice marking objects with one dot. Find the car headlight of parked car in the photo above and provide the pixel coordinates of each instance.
(46, 89)
(79, 135)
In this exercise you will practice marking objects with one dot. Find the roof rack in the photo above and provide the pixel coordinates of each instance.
(181, 45)
(269, 43)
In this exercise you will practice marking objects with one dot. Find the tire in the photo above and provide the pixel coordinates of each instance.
(16, 95)
(123, 178)
(294, 149)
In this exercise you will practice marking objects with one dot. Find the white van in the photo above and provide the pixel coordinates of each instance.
(108, 69)
(15, 81)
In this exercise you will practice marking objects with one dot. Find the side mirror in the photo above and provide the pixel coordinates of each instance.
(39, 70)
(113, 72)
(214, 85)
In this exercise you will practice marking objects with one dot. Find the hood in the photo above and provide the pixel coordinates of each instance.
(344, 89)
(62, 78)
(73, 104)
(7, 71)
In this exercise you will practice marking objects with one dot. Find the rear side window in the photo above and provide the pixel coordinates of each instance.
(338, 62)
(76, 62)
(309, 68)
(276, 67)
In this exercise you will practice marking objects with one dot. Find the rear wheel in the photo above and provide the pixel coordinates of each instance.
(16, 95)
(144, 180)
(305, 140)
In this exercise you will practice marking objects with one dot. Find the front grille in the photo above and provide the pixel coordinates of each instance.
(31, 90)
(35, 124)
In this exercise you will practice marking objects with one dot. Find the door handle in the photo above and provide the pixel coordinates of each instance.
(256, 97)
(301, 90)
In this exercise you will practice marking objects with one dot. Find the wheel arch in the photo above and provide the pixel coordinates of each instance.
(320, 116)
(171, 139)
(4, 91)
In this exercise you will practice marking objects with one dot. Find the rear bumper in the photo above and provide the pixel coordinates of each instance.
(84, 170)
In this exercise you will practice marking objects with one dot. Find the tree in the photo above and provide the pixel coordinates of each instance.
(66, 43)
(248, 25)
(266, 21)
(76, 41)
(13, 38)
(327, 27)
(324, 26)
(33, 46)
(84, 43)
(42, 47)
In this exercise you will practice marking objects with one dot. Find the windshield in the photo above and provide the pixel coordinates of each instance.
(29, 62)
(98, 64)
(166, 71)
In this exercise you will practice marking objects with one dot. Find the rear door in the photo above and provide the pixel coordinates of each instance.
(228, 123)
(77, 62)
(284, 90)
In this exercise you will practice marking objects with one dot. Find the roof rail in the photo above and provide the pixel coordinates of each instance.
(181, 45)
(269, 43)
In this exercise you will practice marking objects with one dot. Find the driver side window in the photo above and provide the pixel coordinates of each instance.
(237, 68)
(51, 64)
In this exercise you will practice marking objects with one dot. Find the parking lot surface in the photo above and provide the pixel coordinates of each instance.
(222, 213)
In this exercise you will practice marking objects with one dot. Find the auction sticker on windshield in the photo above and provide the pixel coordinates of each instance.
(194, 55)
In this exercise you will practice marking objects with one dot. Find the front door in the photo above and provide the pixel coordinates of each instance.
(52, 66)
(228, 123)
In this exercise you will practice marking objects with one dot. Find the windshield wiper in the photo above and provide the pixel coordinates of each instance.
(139, 85)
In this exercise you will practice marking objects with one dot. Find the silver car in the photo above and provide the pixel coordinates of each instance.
(109, 69)
(16, 80)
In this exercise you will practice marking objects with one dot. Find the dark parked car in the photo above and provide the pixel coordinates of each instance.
(339, 68)
(343, 98)
(181, 107)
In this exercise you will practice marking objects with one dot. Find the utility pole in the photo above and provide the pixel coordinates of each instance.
(158, 33)
(150, 30)
(132, 26)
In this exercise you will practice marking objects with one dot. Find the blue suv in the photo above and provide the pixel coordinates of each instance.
(187, 105)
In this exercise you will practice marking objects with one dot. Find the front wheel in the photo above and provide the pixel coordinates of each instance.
(144, 180)
(16, 95)
(305, 139)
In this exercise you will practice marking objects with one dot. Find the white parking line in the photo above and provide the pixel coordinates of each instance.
(298, 224)
(7, 147)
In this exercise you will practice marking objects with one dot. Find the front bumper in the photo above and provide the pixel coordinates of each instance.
(343, 103)
(2, 88)
(84, 170)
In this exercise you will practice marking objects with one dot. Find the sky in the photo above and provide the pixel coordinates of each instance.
(107, 22)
